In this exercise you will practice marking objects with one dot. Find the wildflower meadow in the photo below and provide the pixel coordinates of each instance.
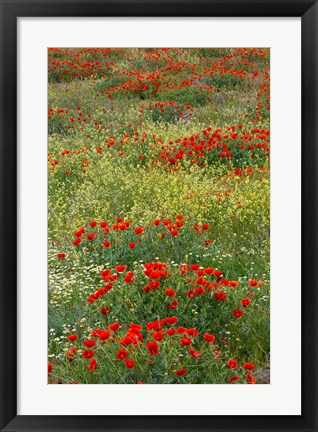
(159, 216)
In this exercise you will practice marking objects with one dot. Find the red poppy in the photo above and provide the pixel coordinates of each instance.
(205, 226)
(249, 366)
(130, 364)
(185, 341)
(114, 327)
(92, 365)
(129, 277)
(104, 335)
(232, 364)
(122, 354)
(89, 343)
(106, 244)
(253, 283)
(238, 313)
(250, 379)
(105, 310)
(158, 336)
(93, 224)
(120, 268)
(234, 378)
(61, 255)
(245, 302)
(88, 354)
(132, 245)
(181, 372)
(72, 337)
(170, 292)
(90, 236)
(220, 295)
(209, 337)
(50, 367)
(152, 348)
(173, 304)
(171, 320)
(195, 354)
(138, 230)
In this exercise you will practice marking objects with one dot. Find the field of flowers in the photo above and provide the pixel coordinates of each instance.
(159, 216)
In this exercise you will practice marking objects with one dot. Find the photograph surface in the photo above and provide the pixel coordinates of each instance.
(159, 215)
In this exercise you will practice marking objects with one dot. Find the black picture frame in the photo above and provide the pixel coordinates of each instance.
(10, 11)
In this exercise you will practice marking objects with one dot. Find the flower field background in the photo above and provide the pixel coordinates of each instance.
(158, 219)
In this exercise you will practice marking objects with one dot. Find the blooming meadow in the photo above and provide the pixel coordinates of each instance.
(159, 216)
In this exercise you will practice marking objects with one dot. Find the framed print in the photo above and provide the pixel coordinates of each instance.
(158, 215)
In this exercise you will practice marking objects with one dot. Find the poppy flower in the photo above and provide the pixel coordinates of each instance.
(77, 242)
(138, 230)
(173, 304)
(129, 277)
(209, 337)
(139, 382)
(253, 283)
(106, 244)
(250, 379)
(181, 372)
(122, 354)
(195, 354)
(89, 343)
(61, 256)
(152, 348)
(114, 327)
(209, 271)
(170, 292)
(72, 337)
(120, 268)
(90, 236)
(232, 364)
(93, 224)
(220, 295)
(88, 354)
(185, 341)
(234, 378)
(130, 364)
(238, 313)
(105, 310)
(104, 335)
(249, 366)
(158, 336)
(246, 302)
(205, 226)
(132, 245)
(171, 320)
(50, 367)
(92, 365)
